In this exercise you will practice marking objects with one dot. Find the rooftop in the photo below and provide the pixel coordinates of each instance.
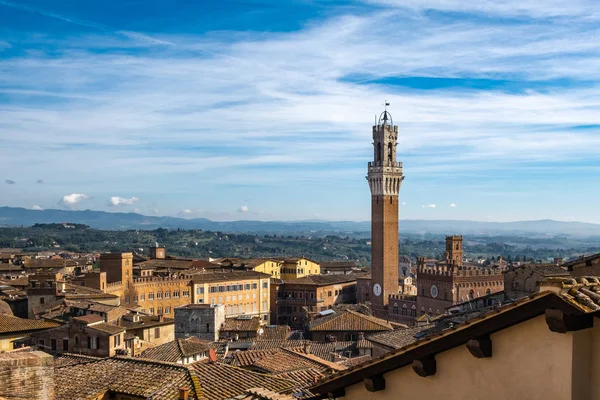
(12, 324)
(241, 325)
(399, 337)
(321, 280)
(225, 276)
(349, 320)
(125, 375)
(176, 350)
(222, 381)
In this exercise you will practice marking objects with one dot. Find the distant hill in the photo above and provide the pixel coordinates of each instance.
(12, 216)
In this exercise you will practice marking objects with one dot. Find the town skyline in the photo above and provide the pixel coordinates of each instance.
(265, 112)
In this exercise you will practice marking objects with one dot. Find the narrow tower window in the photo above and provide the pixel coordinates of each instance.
(389, 153)
(378, 152)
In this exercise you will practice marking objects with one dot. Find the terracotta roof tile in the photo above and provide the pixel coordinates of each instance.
(241, 325)
(111, 329)
(222, 381)
(129, 376)
(9, 323)
(175, 350)
(349, 321)
(398, 337)
(321, 280)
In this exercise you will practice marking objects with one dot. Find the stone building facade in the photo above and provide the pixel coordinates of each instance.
(199, 320)
(385, 178)
(524, 280)
(27, 375)
(295, 298)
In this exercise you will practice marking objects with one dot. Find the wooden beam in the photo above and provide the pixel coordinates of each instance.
(480, 347)
(375, 383)
(560, 322)
(341, 392)
(425, 366)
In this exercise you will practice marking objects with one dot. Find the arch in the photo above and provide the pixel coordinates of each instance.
(395, 308)
(378, 159)
(471, 294)
(42, 300)
(389, 152)
(488, 291)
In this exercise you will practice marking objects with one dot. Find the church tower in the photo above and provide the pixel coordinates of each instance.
(385, 178)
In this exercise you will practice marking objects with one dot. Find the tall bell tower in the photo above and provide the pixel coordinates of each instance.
(385, 178)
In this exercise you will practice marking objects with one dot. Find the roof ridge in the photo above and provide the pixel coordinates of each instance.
(148, 361)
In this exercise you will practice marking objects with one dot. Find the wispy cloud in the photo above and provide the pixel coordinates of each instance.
(243, 209)
(452, 205)
(9, 182)
(37, 208)
(116, 201)
(428, 206)
(40, 181)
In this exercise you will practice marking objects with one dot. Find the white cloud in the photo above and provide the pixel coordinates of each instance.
(71, 200)
(452, 205)
(243, 209)
(428, 205)
(37, 208)
(403, 203)
(116, 201)
(187, 211)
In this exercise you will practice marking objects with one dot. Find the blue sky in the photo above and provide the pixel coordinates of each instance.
(262, 109)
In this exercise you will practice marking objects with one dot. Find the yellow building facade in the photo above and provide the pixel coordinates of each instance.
(292, 268)
(266, 266)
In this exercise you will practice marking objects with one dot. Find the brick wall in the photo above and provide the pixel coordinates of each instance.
(27, 375)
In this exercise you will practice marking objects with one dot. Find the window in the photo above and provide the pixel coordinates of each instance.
(488, 291)
(200, 301)
(186, 293)
(228, 288)
(135, 298)
(212, 290)
(159, 295)
(117, 340)
(142, 297)
(151, 310)
(471, 294)
(254, 286)
(167, 295)
(247, 286)
(175, 294)
(156, 333)
(221, 288)
(265, 285)
(53, 344)
(76, 340)
(65, 344)
(264, 305)
(167, 310)
(207, 327)
(329, 293)
(42, 301)
(127, 284)
(200, 290)
(159, 310)
(127, 300)
(97, 342)
(150, 296)
(41, 343)
(395, 308)
(89, 342)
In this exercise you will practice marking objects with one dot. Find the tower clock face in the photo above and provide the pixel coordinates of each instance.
(434, 291)
(377, 289)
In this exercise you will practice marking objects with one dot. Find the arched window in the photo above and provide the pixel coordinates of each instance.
(42, 301)
(488, 291)
(395, 308)
(471, 294)
(389, 152)
(457, 246)
(378, 152)
(76, 340)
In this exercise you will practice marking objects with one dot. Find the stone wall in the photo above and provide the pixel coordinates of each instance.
(27, 375)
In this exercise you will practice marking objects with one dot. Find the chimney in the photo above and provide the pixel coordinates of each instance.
(307, 346)
(184, 393)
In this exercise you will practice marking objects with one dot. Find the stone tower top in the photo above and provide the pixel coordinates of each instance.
(385, 172)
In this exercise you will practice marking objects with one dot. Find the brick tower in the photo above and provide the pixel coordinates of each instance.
(385, 177)
(454, 250)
